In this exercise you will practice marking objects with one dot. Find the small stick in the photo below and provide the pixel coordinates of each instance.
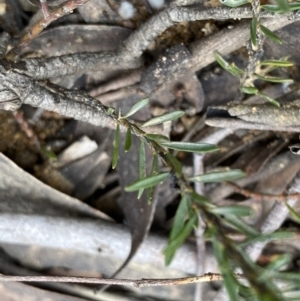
(264, 197)
(38, 27)
(208, 277)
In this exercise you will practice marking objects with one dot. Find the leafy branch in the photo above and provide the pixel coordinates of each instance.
(186, 217)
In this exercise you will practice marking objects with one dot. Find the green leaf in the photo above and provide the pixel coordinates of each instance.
(241, 226)
(158, 138)
(271, 100)
(273, 79)
(226, 65)
(180, 217)
(139, 105)
(226, 271)
(127, 141)
(175, 163)
(283, 5)
(288, 276)
(164, 118)
(278, 235)
(249, 90)
(201, 200)
(228, 175)
(237, 71)
(232, 210)
(48, 154)
(154, 170)
(276, 63)
(191, 147)
(172, 247)
(253, 31)
(147, 182)
(142, 166)
(268, 271)
(116, 148)
(293, 213)
(270, 34)
(110, 110)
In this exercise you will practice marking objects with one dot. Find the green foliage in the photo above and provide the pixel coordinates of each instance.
(138, 106)
(229, 280)
(276, 8)
(179, 239)
(199, 148)
(193, 204)
(283, 6)
(251, 89)
(115, 156)
(154, 171)
(142, 166)
(253, 31)
(147, 182)
(293, 213)
(164, 118)
(219, 176)
(268, 33)
(232, 210)
(127, 140)
(157, 137)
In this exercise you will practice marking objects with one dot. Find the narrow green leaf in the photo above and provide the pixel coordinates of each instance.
(276, 63)
(147, 182)
(249, 90)
(276, 9)
(110, 111)
(253, 31)
(283, 5)
(271, 100)
(164, 118)
(268, 271)
(278, 235)
(154, 171)
(139, 105)
(48, 154)
(191, 147)
(288, 276)
(127, 141)
(116, 148)
(158, 138)
(241, 226)
(293, 213)
(175, 163)
(232, 210)
(225, 64)
(172, 247)
(239, 72)
(270, 34)
(273, 79)
(228, 175)
(200, 199)
(180, 217)
(142, 166)
(226, 271)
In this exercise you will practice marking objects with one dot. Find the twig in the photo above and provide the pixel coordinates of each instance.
(264, 197)
(37, 28)
(209, 277)
(122, 81)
